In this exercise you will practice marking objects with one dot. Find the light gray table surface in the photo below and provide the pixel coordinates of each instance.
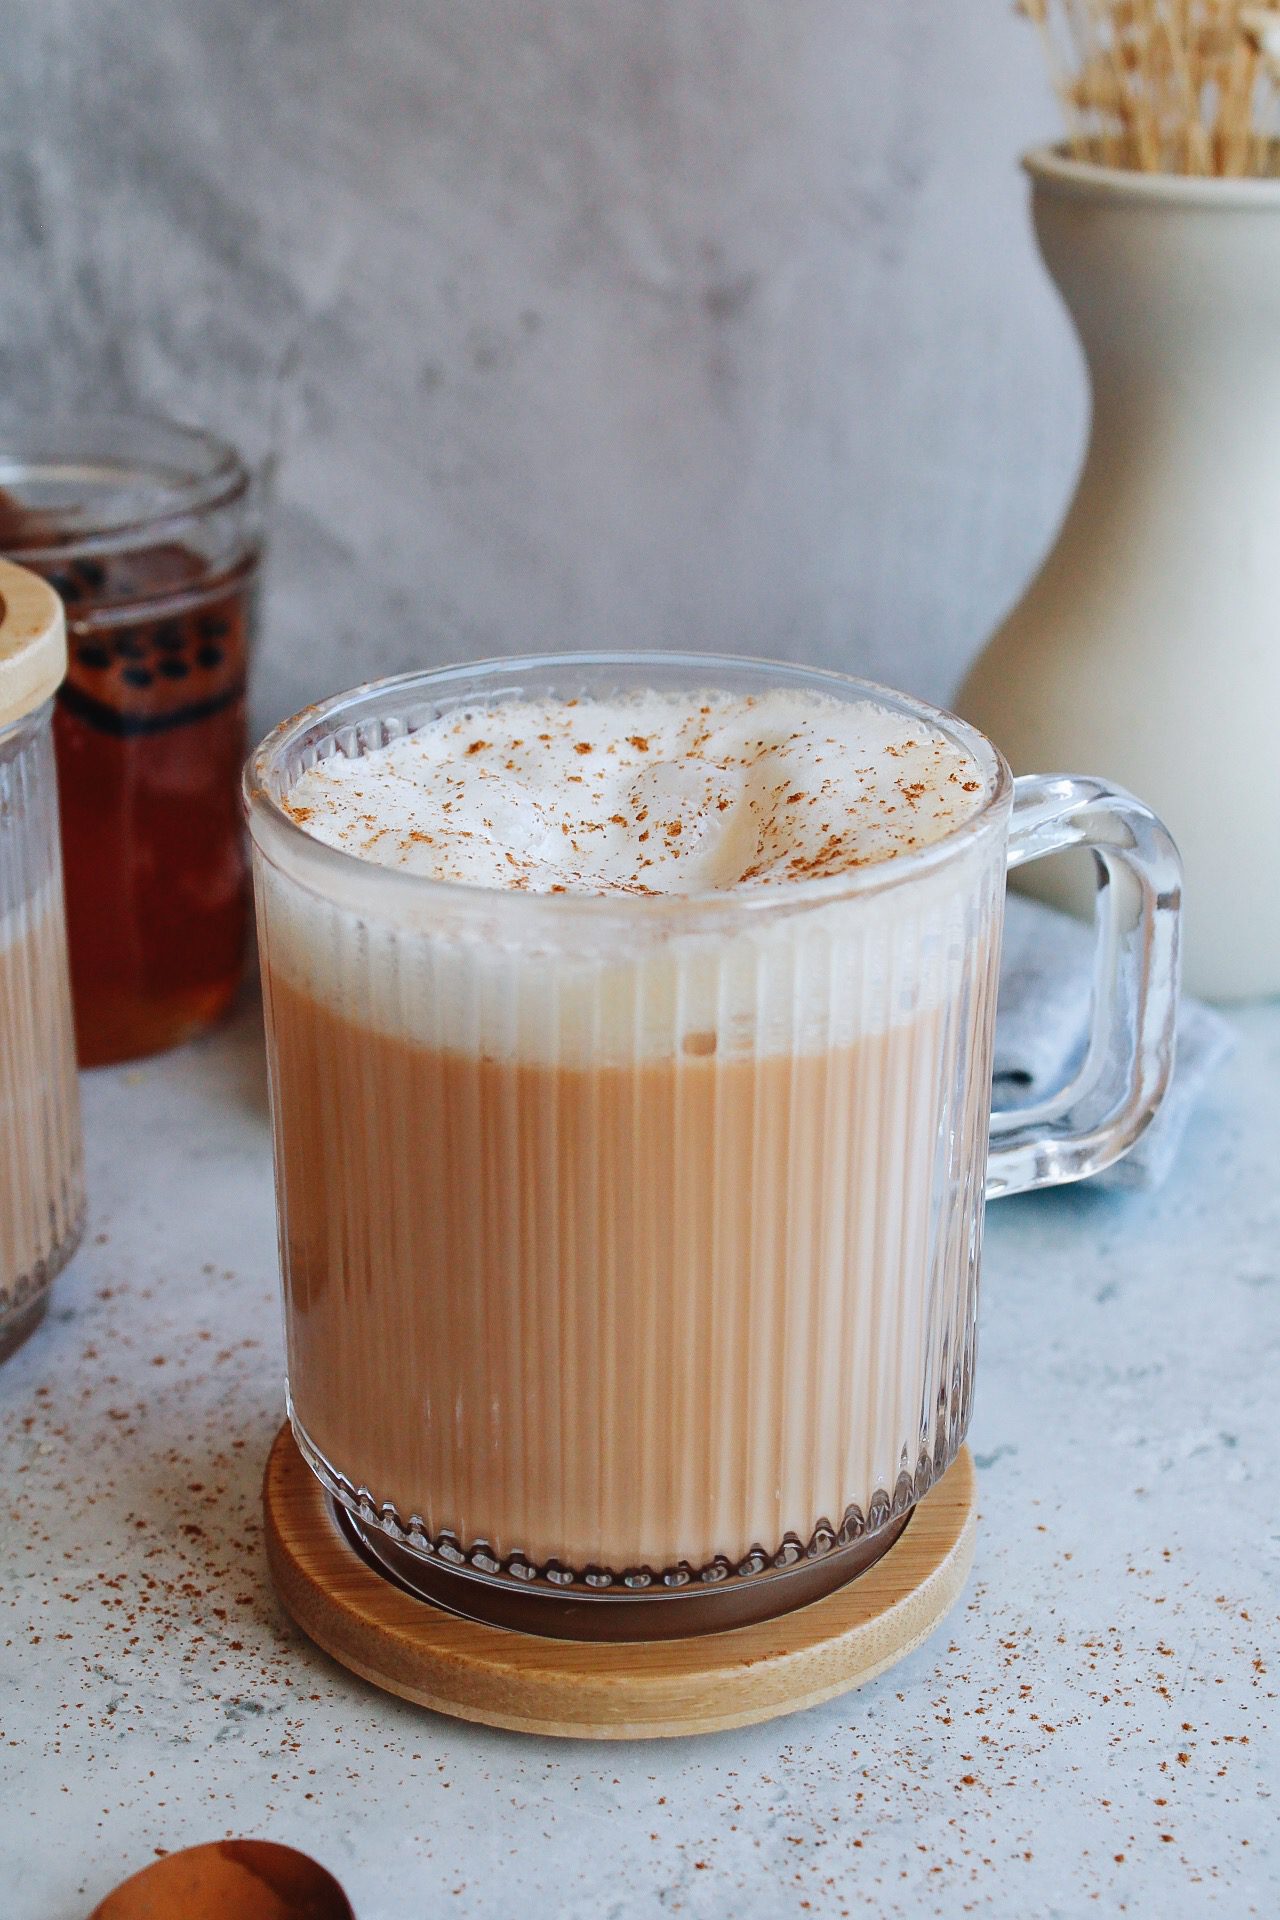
(1093, 1731)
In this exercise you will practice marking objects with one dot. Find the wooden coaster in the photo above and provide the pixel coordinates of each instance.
(592, 1690)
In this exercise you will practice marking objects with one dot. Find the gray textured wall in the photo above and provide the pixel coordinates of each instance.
(574, 322)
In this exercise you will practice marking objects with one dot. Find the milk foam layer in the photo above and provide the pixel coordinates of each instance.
(648, 793)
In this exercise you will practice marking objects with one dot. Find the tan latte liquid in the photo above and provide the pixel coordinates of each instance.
(629, 1315)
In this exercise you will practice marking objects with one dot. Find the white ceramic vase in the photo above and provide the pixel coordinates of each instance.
(1147, 649)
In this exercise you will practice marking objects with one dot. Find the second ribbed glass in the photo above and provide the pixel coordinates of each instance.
(41, 1171)
(630, 1245)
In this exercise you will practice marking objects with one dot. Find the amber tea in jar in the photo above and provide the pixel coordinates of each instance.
(150, 533)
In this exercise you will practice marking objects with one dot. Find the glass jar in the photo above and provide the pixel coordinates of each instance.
(41, 1182)
(151, 535)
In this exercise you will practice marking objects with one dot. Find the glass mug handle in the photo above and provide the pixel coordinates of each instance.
(1126, 1068)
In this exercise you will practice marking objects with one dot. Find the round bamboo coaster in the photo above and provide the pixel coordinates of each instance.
(592, 1690)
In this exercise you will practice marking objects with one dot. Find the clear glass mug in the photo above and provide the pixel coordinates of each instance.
(630, 1244)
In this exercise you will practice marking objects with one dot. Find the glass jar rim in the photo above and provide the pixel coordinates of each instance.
(264, 809)
(178, 473)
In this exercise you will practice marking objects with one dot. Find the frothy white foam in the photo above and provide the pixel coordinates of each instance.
(650, 793)
(810, 785)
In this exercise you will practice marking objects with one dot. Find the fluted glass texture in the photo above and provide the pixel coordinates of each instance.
(627, 1234)
(41, 1183)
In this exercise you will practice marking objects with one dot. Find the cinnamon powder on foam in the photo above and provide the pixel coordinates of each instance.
(647, 793)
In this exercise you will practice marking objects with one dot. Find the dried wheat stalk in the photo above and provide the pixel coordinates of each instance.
(1167, 86)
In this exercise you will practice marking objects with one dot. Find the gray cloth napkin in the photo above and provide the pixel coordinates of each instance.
(1045, 981)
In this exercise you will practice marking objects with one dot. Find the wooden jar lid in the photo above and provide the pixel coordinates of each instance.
(599, 1691)
(33, 642)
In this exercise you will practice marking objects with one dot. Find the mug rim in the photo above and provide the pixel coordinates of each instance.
(262, 807)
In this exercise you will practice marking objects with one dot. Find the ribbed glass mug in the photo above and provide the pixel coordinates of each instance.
(630, 1244)
(41, 1170)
